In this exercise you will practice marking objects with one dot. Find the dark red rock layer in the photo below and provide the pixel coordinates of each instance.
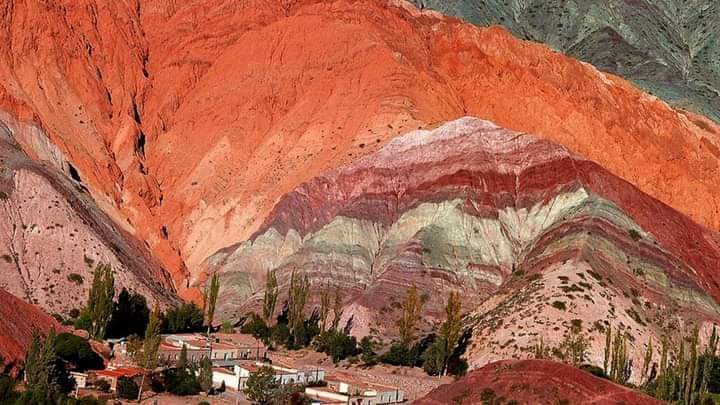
(534, 382)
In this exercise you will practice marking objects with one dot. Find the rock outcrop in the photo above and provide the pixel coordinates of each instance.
(187, 122)
(52, 236)
(533, 237)
(669, 48)
(534, 382)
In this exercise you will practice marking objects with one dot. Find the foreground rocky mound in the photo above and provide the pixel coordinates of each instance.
(52, 236)
(534, 382)
(17, 320)
(533, 237)
(188, 121)
(670, 48)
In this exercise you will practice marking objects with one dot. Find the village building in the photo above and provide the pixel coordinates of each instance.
(234, 373)
(348, 390)
(112, 375)
(79, 378)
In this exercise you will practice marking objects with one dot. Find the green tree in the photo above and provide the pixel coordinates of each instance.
(324, 307)
(337, 308)
(574, 347)
(337, 345)
(77, 351)
(435, 357)
(261, 385)
(646, 362)
(185, 318)
(367, 351)
(297, 299)
(150, 345)
(212, 300)
(130, 315)
(127, 388)
(205, 374)
(608, 349)
(451, 329)
(270, 297)
(45, 372)
(100, 300)
(411, 309)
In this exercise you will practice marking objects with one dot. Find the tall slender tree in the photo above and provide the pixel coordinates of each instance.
(608, 349)
(297, 299)
(271, 294)
(324, 307)
(411, 309)
(646, 362)
(212, 300)
(100, 300)
(150, 345)
(451, 329)
(337, 308)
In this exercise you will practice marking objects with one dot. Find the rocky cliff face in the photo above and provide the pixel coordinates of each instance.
(670, 48)
(533, 237)
(186, 130)
(52, 235)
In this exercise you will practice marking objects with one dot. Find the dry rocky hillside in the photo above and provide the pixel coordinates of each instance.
(535, 238)
(174, 140)
(177, 124)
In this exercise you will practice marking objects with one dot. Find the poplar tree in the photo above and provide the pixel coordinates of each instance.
(608, 349)
(271, 294)
(646, 361)
(710, 352)
(451, 328)
(410, 316)
(100, 300)
(212, 299)
(324, 307)
(150, 345)
(337, 308)
(297, 299)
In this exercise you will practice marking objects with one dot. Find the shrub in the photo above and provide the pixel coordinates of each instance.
(337, 345)
(260, 385)
(77, 351)
(594, 370)
(399, 355)
(559, 305)
(185, 318)
(256, 326)
(127, 388)
(75, 278)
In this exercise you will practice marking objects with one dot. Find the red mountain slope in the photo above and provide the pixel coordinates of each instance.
(17, 320)
(189, 121)
(534, 382)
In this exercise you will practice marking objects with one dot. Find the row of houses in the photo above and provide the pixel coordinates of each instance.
(322, 389)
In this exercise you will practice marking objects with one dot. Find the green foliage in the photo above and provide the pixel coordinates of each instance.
(367, 351)
(337, 345)
(399, 354)
(261, 385)
(75, 278)
(45, 372)
(130, 315)
(594, 370)
(102, 385)
(411, 309)
(256, 326)
(434, 358)
(270, 296)
(185, 318)
(212, 295)
(227, 327)
(205, 374)
(574, 347)
(151, 343)
(297, 299)
(127, 388)
(100, 301)
(76, 350)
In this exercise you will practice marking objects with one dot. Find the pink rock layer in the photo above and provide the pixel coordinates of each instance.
(188, 121)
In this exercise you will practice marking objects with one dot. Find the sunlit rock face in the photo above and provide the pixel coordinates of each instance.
(186, 130)
(53, 235)
(510, 221)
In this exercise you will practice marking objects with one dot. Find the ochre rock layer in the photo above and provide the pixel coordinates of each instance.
(189, 121)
